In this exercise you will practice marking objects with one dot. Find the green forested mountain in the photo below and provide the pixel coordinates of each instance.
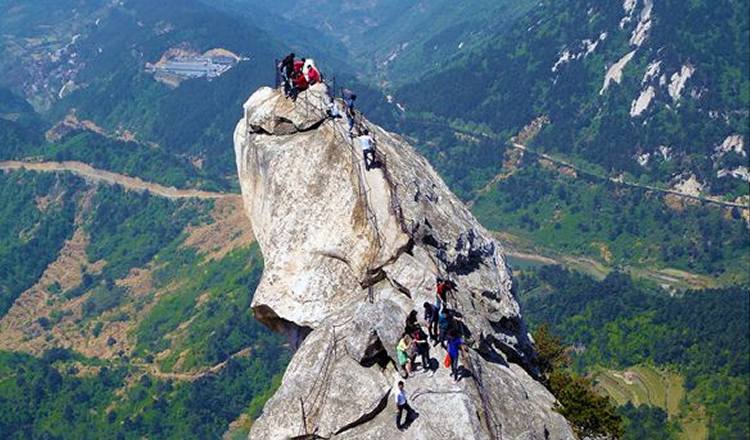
(20, 126)
(106, 63)
(150, 296)
(654, 89)
(650, 93)
(399, 41)
(615, 323)
(619, 226)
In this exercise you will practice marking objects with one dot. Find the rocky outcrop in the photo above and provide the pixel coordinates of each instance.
(348, 253)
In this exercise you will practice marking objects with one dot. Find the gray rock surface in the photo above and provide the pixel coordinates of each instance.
(348, 254)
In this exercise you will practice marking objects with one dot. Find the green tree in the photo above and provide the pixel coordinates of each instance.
(590, 414)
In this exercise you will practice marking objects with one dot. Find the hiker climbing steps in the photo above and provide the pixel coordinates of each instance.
(358, 133)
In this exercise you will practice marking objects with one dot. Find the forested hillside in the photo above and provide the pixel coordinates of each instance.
(124, 309)
(647, 88)
(618, 324)
(399, 41)
(149, 342)
(617, 225)
(107, 82)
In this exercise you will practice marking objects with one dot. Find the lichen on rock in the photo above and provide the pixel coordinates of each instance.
(348, 253)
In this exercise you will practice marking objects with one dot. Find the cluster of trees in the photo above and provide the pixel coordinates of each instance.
(465, 161)
(618, 324)
(646, 422)
(32, 231)
(152, 164)
(51, 398)
(54, 397)
(221, 326)
(128, 228)
(590, 414)
(20, 127)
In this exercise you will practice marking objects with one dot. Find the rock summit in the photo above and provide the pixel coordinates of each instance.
(348, 254)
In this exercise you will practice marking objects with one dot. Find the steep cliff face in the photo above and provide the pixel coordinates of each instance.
(348, 254)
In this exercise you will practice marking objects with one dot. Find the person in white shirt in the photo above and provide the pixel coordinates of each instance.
(333, 109)
(402, 405)
(368, 148)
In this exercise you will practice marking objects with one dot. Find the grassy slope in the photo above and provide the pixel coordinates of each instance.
(647, 385)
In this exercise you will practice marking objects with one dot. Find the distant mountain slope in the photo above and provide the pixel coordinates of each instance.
(619, 324)
(398, 41)
(20, 126)
(137, 308)
(100, 70)
(658, 89)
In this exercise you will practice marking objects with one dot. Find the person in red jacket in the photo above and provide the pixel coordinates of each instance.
(313, 75)
(298, 65)
(300, 85)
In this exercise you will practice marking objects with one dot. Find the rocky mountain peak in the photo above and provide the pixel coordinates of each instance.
(348, 254)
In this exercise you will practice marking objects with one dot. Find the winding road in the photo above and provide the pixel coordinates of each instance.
(92, 174)
(630, 184)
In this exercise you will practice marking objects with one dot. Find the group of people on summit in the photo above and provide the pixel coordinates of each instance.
(297, 76)
(442, 329)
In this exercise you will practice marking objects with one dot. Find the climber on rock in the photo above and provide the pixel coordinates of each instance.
(351, 114)
(431, 317)
(455, 346)
(402, 406)
(422, 346)
(313, 76)
(334, 112)
(444, 325)
(411, 322)
(441, 293)
(300, 85)
(368, 149)
(287, 64)
(405, 345)
(286, 67)
(298, 65)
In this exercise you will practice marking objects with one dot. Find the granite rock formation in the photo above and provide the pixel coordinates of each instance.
(348, 253)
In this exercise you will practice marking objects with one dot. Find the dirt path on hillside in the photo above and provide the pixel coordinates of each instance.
(92, 174)
(192, 375)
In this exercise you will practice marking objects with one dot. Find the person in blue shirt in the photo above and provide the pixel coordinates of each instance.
(349, 99)
(444, 323)
(455, 344)
(431, 316)
(402, 405)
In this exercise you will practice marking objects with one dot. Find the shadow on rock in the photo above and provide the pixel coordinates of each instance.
(410, 418)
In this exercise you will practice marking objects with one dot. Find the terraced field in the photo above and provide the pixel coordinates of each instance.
(645, 385)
